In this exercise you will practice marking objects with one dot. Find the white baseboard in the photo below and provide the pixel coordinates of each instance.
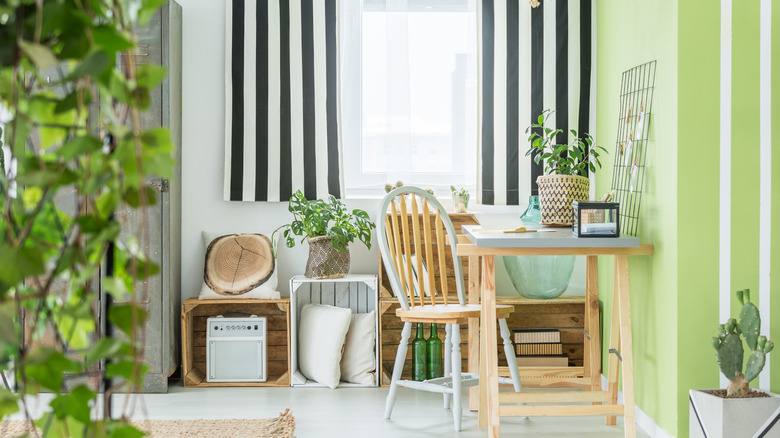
(643, 421)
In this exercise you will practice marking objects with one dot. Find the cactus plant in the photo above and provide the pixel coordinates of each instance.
(730, 351)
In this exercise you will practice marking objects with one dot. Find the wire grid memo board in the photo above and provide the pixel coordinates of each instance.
(636, 104)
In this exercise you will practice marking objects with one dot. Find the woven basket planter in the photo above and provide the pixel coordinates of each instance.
(556, 193)
(325, 261)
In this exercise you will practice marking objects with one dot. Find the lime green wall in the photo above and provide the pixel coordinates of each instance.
(630, 33)
(698, 200)
(675, 298)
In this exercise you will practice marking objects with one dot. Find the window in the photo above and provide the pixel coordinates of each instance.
(409, 94)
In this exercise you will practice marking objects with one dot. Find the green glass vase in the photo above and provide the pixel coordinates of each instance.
(419, 355)
(538, 277)
(435, 353)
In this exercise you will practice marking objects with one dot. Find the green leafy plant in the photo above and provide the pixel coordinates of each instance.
(326, 218)
(463, 193)
(72, 128)
(574, 158)
(730, 352)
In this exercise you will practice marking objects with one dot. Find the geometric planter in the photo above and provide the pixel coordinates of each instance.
(717, 417)
(556, 193)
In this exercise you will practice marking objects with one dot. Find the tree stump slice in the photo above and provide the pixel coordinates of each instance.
(238, 263)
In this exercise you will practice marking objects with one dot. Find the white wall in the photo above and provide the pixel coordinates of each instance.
(202, 166)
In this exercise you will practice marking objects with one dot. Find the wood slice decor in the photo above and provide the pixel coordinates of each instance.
(238, 263)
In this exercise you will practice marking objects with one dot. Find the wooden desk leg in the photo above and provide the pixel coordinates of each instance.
(592, 353)
(483, 413)
(614, 343)
(473, 337)
(625, 346)
(490, 347)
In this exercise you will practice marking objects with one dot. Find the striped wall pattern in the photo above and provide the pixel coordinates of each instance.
(746, 180)
(531, 59)
(281, 108)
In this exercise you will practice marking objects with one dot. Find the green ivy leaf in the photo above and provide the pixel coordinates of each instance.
(124, 431)
(81, 145)
(56, 428)
(104, 348)
(41, 56)
(121, 315)
(18, 263)
(47, 366)
(8, 403)
(111, 39)
(150, 76)
(94, 65)
(148, 9)
(74, 404)
(125, 370)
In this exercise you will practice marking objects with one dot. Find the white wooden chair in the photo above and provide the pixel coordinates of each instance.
(414, 208)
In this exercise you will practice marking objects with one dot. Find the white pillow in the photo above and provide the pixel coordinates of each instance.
(266, 291)
(358, 363)
(321, 334)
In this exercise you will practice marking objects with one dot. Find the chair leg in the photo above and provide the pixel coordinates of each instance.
(398, 368)
(456, 392)
(447, 362)
(509, 350)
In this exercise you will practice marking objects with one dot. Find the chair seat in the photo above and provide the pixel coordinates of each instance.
(448, 312)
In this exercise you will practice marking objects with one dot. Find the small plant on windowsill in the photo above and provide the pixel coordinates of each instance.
(329, 228)
(565, 166)
(460, 199)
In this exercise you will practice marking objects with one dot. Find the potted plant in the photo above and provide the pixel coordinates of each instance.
(565, 167)
(460, 200)
(737, 410)
(329, 228)
(81, 159)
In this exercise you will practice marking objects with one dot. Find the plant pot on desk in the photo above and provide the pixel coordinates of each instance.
(717, 417)
(556, 194)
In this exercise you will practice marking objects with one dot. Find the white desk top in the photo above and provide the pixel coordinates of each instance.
(558, 238)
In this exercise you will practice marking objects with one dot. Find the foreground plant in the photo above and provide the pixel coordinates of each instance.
(730, 352)
(76, 160)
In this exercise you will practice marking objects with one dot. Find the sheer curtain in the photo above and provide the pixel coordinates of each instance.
(408, 90)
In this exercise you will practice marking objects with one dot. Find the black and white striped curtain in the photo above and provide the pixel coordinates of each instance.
(281, 122)
(532, 59)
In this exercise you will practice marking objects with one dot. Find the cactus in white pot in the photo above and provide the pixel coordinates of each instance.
(730, 350)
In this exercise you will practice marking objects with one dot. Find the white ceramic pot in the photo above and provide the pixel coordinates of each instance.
(717, 417)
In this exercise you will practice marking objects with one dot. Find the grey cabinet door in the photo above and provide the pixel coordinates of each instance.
(159, 43)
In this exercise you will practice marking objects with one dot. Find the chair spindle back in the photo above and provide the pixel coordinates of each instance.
(415, 239)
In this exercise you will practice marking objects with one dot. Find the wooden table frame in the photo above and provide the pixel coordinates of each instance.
(589, 377)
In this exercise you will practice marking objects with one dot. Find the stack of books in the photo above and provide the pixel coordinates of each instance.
(539, 347)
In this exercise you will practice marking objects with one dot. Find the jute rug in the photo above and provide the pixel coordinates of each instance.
(282, 426)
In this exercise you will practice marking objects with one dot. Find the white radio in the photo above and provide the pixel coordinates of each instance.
(236, 349)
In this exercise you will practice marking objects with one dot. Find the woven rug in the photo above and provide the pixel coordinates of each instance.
(282, 426)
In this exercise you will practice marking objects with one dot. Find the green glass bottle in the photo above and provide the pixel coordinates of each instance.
(435, 350)
(419, 356)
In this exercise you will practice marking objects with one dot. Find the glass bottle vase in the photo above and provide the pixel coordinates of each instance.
(419, 355)
(435, 353)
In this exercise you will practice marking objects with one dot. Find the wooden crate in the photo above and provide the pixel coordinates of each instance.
(355, 292)
(390, 327)
(564, 313)
(194, 314)
(458, 220)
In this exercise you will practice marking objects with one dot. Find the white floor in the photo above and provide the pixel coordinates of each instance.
(352, 412)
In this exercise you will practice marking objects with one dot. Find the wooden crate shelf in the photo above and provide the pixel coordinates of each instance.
(565, 313)
(194, 314)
